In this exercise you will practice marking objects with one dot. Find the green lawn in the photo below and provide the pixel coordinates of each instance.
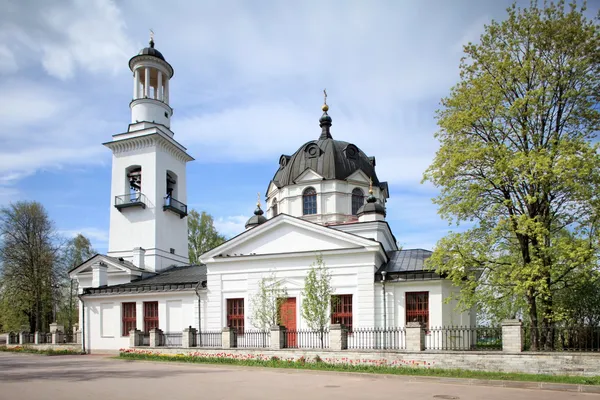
(402, 370)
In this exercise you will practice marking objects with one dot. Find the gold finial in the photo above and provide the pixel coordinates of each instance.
(325, 106)
(258, 199)
(370, 185)
(151, 38)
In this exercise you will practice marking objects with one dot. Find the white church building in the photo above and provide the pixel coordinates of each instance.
(324, 200)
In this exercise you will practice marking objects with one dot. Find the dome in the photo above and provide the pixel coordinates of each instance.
(371, 207)
(257, 219)
(332, 159)
(151, 51)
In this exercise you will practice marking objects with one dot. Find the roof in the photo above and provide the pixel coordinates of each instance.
(151, 51)
(171, 279)
(405, 261)
(332, 159)
(116, 260)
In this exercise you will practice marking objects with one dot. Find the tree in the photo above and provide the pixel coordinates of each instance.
(77, 250)
(202, 235)
(29, 263)
(267, 301)
(316, 298)
(518, 161)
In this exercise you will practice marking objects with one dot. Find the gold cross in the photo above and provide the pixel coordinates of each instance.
(325, 94)
(151, 35)
(258, 199)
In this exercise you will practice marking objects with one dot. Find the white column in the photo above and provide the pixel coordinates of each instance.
(147, 82)
(136, 83)
(166, 95)
(159, 95)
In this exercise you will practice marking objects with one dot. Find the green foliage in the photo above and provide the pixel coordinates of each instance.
(202, 235)
(519, 163)
(29, 265)
(46, 352)
(319, 364)
(267, 301)
(316, 297)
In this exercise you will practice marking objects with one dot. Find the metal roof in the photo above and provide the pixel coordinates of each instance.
(403, 261)
(172, 279)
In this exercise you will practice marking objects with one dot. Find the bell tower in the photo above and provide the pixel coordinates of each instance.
(148, 211)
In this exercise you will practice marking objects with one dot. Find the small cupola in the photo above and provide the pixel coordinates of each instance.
(258, 217)
(325, 120)
(372, 210)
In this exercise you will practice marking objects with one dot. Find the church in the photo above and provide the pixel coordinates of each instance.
(325, 200)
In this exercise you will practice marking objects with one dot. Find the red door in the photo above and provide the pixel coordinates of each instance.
(287, 314)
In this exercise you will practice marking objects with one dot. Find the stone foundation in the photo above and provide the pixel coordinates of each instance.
(70, 346)
(582, 364)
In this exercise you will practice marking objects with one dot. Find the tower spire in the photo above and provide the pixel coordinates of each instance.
(325, 120)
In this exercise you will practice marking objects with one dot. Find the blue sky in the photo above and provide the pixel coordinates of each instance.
(247, 88)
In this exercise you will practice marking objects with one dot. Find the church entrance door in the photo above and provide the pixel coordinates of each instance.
(287, 311)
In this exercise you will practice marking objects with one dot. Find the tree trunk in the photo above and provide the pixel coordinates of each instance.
(533, 323)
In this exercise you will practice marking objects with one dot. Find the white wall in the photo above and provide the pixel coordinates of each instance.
(352, 273)
(103, 319)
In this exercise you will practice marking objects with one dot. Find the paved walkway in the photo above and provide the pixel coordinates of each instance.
(24, 376)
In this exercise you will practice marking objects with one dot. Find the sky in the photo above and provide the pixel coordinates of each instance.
(248, 87)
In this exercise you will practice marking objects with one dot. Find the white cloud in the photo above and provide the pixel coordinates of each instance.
(230, 226)
(65, 35)
(8, 63)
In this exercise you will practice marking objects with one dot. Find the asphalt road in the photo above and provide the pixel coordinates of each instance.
(24, 376)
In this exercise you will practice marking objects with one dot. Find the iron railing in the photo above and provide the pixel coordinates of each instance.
(13, 338)
(209, 339)
(29, 338)
(256, 339)
(306, 339)
(146, 339)
(175, 206)
(68, 337)
(131, 200)
(561, 338)
(173, 339)
(377, 338)
(45, 338)
(463, 338)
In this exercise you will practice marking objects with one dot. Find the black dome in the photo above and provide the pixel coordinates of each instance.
(151, 51)
(332, 159)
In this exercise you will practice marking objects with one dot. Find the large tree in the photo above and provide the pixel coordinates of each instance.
(29, 262)
(519, 163)
(202, 235)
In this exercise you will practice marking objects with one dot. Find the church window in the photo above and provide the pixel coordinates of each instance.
(128, 318)
(150, 315)
(309, 201)
(235, 314)
(358, 199)
(274, 208)
(342, 310)
(417, 307)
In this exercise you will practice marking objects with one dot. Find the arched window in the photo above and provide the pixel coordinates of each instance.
(309, 201)
(358, 199)
(274, 208)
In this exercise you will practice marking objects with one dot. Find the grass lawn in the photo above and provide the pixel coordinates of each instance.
(319, 365)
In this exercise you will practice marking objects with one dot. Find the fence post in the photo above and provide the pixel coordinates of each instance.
(512, 336)
(36, 337)
(189, 337)
(135, 338)
(57, 337)
(338, 337)
(22, 338)
(155, 337)
(277, 337)
(229, 338)
(415, 337)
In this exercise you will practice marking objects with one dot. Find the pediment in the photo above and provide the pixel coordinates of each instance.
(308, 175)
(114, 266)
(359, 177)
(283, 235)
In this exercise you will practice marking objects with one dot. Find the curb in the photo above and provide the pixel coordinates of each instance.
(557, 387)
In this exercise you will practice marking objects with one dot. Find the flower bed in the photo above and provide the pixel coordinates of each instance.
(47, 352)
